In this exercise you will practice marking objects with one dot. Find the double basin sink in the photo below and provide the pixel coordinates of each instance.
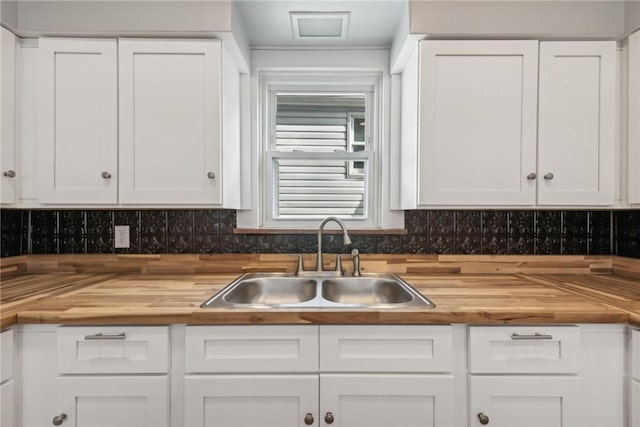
(277, 290)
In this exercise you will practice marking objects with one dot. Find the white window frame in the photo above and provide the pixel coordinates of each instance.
(351, 142)
(330, 67)
(347, 84)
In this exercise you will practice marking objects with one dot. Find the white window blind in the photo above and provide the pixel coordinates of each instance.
(316, 167)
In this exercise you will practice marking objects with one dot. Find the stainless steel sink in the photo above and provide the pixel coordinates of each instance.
(365, 291)
(277, 290)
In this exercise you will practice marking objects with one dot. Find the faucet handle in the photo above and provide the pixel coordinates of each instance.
(299, 265)
(339, 264)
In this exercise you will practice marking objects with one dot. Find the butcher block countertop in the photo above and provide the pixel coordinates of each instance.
(495, 291)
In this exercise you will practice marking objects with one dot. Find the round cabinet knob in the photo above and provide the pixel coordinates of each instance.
(531, 176)
(57, 420)
(10, 174)
(211, 175)
(548, 176)
(106, 175)
(308, 420)
(329, 418)
(484, 420)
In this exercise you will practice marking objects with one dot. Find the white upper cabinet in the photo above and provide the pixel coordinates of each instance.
(633, 117)
(492, 132)
(577, 120)
(477, 122)
(77, 121)
(138, 122)
(8, 117)
(170, 121)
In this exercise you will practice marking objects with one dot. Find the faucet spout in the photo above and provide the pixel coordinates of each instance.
(346, 238)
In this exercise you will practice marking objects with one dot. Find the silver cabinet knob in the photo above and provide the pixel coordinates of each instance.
(211, 175)
(308, 420)
(484, 420)
(58, 419)
(531, 176)
(548, 176)
(106, 175)
(10, 174)
(329, 418)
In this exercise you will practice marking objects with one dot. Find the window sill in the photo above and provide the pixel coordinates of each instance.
(378, 231)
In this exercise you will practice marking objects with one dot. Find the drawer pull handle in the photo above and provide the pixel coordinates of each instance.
(101, 336)
(536, 336)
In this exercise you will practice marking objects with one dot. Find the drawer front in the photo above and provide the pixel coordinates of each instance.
(397, 348)
(6, 355)
(113, 349)
(251, 349)
(524, 349)
(635, 354)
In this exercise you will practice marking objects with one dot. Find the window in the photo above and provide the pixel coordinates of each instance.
(319, 152)
(320, 139)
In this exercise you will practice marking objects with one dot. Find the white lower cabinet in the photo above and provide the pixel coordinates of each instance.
(251, 400)
(110, 401)
(383, 400)
(323, 376)
(634, 404)
(525, 401)
(7, 404)
(364, 376)
(543, 376)
(345, 400)
(634, 382)
(7, 383)
(95, 376)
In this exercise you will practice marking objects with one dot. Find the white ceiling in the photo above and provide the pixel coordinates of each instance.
(372, 22)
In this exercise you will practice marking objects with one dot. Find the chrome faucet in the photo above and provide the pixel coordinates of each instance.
(346, 240)
(300, 271)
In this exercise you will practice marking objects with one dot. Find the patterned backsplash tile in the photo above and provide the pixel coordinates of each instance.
(435, 231)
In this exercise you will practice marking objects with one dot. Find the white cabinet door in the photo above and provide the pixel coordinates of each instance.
(477, 122)
(170, 121)
(78, 122)
(525, 401)
(92, 401)
(251, 400)
(577, 120)
(383, 400)
(7, 404)
(8, 117)
(633, 117)
(634, 404)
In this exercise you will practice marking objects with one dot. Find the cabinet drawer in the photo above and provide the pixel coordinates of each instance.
(251, 349)
(6, 355)
(113, 349)
(386, 348)
(524, 349)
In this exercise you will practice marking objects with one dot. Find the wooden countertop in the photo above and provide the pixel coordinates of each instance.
(134, 298)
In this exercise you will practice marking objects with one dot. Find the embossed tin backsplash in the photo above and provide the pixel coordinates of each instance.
(434, 231)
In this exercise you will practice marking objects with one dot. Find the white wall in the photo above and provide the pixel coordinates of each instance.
(513, 18)
(71, 17)
(632, 15)
(9, 14)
